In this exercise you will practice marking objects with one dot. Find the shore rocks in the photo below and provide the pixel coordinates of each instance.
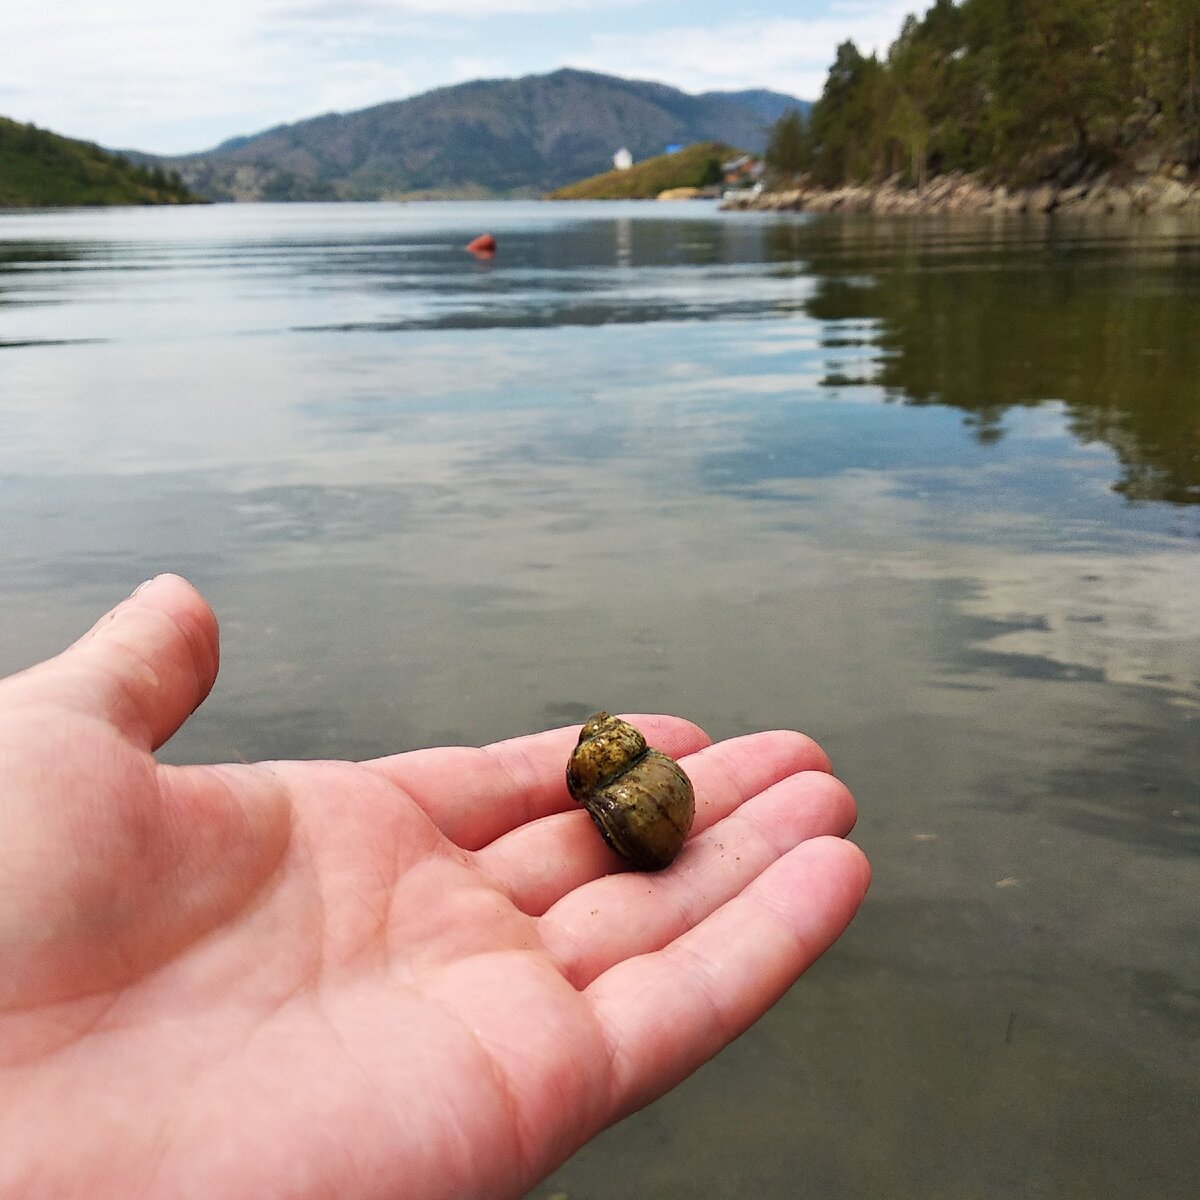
(1167, 190)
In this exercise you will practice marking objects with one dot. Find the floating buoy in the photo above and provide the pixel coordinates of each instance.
(484, 246)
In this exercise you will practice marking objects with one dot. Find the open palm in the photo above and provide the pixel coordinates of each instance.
(411, 977)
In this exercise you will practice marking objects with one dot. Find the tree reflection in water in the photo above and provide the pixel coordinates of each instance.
(969, 315)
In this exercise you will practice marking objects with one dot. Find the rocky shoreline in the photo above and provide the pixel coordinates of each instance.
(1160, 190)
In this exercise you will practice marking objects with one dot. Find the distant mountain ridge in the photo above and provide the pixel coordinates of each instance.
(768, 104)
(521, 136)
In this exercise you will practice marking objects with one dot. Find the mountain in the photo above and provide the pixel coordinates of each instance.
(769, 105)
(489, 137)
(41, 169)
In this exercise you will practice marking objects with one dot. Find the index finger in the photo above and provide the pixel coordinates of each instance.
(474, 795)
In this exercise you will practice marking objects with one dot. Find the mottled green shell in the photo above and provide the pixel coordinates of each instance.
(640, 799)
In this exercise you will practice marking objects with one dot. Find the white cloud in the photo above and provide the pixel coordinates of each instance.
(173, 78)
(152, 75)
(332, 10)
(464, 67)
(789, 54)
(98, 70)
(346, 86)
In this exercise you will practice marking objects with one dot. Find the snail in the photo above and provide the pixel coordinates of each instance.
(640, 799)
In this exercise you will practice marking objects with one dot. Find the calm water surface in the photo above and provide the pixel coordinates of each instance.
(929, 491)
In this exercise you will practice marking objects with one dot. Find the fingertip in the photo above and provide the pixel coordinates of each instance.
(178, 599)
(807, 749)
(169, 588)
(808, 804)
(672, 735)
(817, 887)
(787, 747)
(840, 802)
(868, 872)
(178, 596)
(150, 661)
(851, 864)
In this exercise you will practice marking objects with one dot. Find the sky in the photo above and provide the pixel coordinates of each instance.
(172, 76)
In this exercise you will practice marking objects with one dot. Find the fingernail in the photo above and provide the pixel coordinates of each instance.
(141, 587)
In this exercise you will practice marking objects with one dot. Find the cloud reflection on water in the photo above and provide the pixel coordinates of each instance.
(417, 534)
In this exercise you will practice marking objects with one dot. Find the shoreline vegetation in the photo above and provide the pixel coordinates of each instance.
(39, 169)
(687, 170)
(1027, 106)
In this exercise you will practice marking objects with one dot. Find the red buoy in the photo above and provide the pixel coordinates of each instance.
(484, 246)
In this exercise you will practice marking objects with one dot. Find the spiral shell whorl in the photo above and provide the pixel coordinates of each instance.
(640, 799)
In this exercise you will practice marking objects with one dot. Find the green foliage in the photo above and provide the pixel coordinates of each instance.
(1121, 356)
(40, 169)
(693, 166)
(712, 173)
(853, 130)
(787, 147)
(1173, 73)
(1008, 85)
(1050, 71)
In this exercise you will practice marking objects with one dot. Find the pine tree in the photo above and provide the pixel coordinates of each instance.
(1009, 85)
(788, 147)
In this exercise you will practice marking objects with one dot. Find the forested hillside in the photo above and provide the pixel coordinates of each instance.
(1014, 88)
(42, 169)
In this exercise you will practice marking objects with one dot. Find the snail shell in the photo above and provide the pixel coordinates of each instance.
(640, 799)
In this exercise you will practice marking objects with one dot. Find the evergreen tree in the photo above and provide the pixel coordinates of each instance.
(916, 73)
(1051, 72)
(1008, 84)
(787, 147)
(848, 123)
(1175, 72)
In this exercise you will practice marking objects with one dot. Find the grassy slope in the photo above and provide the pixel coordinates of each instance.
(644, 180)
(41, 169)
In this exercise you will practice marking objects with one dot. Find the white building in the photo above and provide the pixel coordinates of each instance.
(622, 160)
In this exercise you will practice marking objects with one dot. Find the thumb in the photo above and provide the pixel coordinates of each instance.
(145, 666)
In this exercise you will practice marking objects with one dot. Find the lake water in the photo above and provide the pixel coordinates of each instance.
(928, 490)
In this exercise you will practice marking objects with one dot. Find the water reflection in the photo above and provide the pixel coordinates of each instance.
(1104, 324)
(917, 488)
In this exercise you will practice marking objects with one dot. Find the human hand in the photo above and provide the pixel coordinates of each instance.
(410, 977)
